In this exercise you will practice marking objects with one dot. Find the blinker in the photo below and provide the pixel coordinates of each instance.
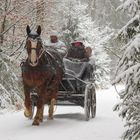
(33, 36)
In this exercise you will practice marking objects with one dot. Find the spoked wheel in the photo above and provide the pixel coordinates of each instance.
(90, 101)
(93, 101)
(87, 102)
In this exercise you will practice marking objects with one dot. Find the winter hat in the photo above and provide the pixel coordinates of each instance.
(79, 39)
(54, 33)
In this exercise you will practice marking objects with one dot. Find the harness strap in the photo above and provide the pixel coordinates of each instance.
(43, 50)
(27, 69)
(57, 61)
(50, 54)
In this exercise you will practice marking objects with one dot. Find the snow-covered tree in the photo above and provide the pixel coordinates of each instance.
(129, 70)
(103, 12)
(15, 15)
(10, 84)
(101, 37)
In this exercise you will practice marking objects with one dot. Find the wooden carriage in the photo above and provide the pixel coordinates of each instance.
(77, 87)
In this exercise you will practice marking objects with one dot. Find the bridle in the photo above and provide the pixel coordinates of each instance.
(41, 51)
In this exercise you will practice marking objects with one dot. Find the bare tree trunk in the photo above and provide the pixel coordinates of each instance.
(2, 29)
(92, 8)
(40, 15)
(3, 24)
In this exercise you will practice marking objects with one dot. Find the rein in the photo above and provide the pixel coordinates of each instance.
(43, 50)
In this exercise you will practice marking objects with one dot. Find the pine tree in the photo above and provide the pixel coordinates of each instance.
(129, 71)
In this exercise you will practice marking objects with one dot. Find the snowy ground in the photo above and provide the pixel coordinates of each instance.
(68, 123)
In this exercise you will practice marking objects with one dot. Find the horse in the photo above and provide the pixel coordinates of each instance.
(42, 71)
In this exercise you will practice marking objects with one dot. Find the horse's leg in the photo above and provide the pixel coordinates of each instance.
(53, 92)
(40, 108)
(41, 115)
(51, 109)
(27, 102)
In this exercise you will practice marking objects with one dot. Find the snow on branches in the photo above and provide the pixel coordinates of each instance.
(131, 6)
(129, 71)
(133, 26)
(10, 85)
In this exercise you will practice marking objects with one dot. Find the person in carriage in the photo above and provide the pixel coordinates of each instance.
(56, 44)
(82, 57)
(79, 51)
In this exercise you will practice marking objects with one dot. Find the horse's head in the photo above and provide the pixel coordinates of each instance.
(33, 46)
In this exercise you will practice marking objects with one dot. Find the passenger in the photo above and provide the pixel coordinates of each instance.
(56, 44)
(88, 51)
(78, 51)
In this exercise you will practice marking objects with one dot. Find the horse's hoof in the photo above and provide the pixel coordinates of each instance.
(41, 120)
(28, 114)
(36, 122)
(50, 118)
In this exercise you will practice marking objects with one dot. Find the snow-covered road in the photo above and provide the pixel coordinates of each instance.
(68, 123)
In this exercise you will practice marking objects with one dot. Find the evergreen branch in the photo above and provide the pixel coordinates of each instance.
(108, 49)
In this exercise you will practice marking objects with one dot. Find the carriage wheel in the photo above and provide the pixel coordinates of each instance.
(93, 101)
(87, 102)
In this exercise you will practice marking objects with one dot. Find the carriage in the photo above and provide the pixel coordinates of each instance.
(77, 86)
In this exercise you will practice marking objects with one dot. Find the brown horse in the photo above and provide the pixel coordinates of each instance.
(42, 71)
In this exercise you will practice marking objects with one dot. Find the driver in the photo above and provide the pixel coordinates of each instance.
(56, 44)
